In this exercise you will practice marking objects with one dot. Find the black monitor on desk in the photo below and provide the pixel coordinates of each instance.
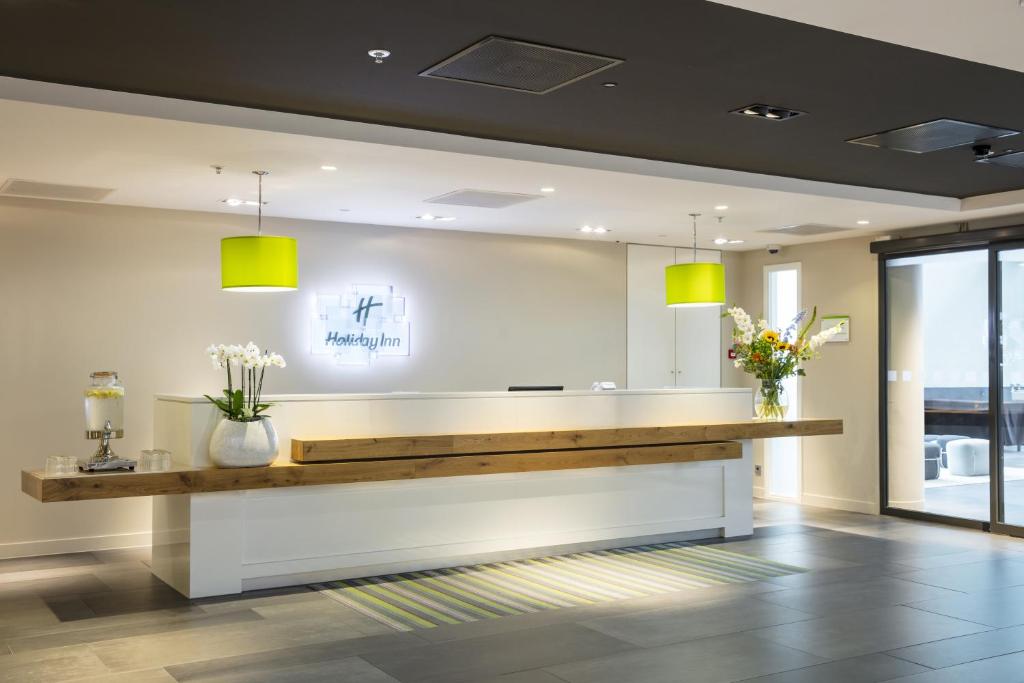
(546, 387)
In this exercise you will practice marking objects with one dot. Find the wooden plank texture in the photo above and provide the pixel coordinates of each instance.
(133, 484)
(328, 450)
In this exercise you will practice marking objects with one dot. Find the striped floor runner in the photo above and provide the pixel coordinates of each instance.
(487, 591)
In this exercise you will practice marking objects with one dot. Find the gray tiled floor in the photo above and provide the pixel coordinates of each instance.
(885, 600)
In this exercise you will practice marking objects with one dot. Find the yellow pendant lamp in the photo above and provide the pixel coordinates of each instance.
(695, 284)
(260, 263)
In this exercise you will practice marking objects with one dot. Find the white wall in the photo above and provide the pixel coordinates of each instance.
(88, 287)
(839, 276)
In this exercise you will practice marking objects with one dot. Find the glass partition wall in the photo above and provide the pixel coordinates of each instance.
(952, 384)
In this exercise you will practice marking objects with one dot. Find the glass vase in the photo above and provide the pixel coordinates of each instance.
(771, 402)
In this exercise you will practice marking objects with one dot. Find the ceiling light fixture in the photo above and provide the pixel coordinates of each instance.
(863, 222)
(379, 55)
(586, 228)
(234, 201)
(722, 207)
(766, 111)
(328, 168)
(735, 241)
(721, 240)
(547, 189)
(609, 84)
(432, 217)
(695, 284)
(601, 230)
(259, 263)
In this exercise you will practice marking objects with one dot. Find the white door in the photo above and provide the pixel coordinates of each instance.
(698, 334)
(782, 462)
(650, 324)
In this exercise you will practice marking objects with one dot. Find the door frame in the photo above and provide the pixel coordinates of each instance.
(995, 391)
(766, 449)
(993, 241)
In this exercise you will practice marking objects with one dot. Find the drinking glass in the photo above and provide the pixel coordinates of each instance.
(61, 465)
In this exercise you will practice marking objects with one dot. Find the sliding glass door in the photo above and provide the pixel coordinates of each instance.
(952, 385)
(937, 384)
(1008, 365)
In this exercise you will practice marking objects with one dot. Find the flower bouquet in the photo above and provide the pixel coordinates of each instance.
(773, 355)
(245, 437)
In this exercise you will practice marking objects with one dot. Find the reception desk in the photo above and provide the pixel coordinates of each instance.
(371, 484)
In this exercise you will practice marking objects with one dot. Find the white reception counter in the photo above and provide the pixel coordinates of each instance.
(226, 542)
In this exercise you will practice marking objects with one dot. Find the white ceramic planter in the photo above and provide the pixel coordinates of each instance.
(243, 444)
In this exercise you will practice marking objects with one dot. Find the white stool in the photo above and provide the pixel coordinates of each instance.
(968, 457)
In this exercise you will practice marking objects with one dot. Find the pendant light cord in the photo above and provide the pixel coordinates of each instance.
(694, 215)
(259, 201)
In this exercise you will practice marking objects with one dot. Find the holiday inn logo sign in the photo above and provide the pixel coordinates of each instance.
(366, 323)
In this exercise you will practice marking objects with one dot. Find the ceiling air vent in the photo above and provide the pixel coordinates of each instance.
(1008, 159)
(77, 193)
(515, 65)
(805, 229)
(932, 136)
(483, 199)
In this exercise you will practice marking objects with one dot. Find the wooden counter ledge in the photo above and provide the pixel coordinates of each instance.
(327, 450)
(346, 461)
(205, 480)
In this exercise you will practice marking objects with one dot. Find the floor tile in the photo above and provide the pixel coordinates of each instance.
(347, 670)
(216, 669)
(149, 676)
(710, 660)
(861, 572)
(134, 600)
(999, 608)
(952, 651)
(677, 624)
(58, 664)
(194, 622)
(964, 557)
(865, 669)
(1005, 669)
(23, 564)
(532, 676)
(970, 578)
(833, 598)
(867, 631)
(489, 656)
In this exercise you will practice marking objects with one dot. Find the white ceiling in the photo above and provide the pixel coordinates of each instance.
(983, 31)
(166, 163)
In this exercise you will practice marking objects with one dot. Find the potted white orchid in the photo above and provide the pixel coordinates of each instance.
(244, 437)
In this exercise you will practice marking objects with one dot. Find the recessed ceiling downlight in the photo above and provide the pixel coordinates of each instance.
(235, 201)
(432, 217)
(768, 112)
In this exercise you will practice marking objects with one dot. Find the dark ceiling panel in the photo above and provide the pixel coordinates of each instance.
(688, 63)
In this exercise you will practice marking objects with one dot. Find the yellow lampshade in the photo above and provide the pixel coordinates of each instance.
(259, 264)
(695, 284)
